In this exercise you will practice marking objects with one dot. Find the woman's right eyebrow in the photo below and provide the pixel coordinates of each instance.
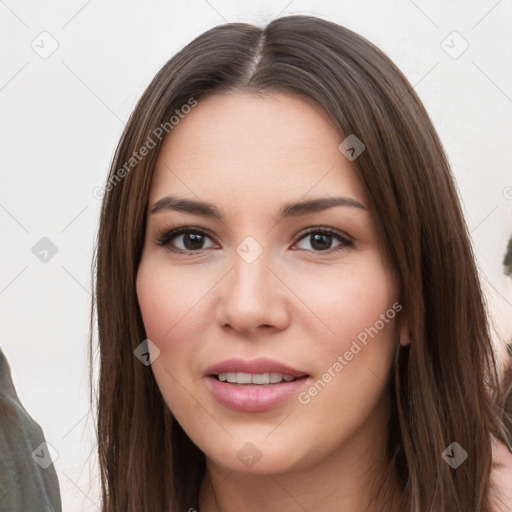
(290, 209)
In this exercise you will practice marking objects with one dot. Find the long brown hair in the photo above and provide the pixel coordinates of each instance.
(442, 383)
(505, 402)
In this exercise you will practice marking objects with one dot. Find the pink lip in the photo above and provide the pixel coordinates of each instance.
(253, 397)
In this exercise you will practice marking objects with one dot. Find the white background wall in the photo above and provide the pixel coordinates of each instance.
(62, 117)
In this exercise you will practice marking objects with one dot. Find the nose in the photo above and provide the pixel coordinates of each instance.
(253, 298)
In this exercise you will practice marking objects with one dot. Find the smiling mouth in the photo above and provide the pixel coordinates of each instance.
(254, 386)
(261, 379)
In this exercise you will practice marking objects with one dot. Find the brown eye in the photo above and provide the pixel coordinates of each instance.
(184, 239)
(321, 240)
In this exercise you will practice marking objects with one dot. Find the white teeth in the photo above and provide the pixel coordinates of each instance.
(243, 378)
(275, 377)
(261, 378)
(254, 378)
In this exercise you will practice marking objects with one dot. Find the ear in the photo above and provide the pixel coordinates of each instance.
(404, 333)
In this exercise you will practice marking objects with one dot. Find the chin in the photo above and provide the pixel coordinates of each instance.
(260, 455)
(250, 460)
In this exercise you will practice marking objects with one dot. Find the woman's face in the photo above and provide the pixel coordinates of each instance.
(265, 282)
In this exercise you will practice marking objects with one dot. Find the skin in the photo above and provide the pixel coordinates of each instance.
(248, 155)
(501, 475)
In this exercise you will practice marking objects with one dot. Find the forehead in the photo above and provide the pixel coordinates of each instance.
(255, 149)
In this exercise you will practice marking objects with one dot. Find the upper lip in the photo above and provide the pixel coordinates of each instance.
(260, 365)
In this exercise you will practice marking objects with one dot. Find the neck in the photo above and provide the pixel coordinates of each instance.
(346, 479)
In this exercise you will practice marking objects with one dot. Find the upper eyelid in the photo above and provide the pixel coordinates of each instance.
(181, 230)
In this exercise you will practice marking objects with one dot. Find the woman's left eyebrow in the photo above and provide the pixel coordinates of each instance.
(290, 209)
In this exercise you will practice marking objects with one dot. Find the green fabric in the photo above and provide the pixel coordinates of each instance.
(25, 486)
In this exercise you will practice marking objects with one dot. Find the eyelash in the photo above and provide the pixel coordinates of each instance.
(166, 236)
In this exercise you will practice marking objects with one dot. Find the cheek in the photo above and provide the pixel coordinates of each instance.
(367, 310)
(174, 306)
(172, 313)
(352, 304)
(169, 301)
(163, 317)
(355, 359)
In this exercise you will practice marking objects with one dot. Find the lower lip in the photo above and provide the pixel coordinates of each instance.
(254, 397)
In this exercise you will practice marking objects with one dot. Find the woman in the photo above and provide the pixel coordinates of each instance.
(288, 308)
